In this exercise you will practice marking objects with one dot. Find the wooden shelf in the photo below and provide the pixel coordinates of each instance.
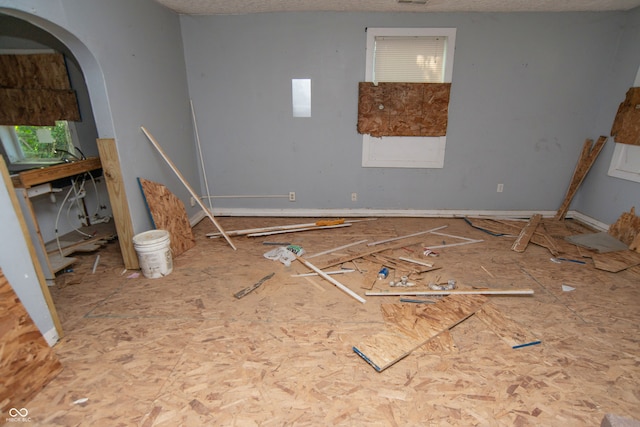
(33, 177)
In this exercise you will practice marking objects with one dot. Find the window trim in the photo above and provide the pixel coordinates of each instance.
(402, 151)
(617, 167)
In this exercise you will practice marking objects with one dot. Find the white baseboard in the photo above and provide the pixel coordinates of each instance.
(51, 337)
(588, 220)
(413, 213)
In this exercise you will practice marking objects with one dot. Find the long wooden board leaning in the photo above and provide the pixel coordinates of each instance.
(182, 179)
(413, 327)
(118, 199)
(27, 363)
(587, 158)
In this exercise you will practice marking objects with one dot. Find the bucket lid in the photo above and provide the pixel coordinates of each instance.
(150, 237)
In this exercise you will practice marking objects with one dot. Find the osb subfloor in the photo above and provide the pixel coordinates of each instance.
(182, 351)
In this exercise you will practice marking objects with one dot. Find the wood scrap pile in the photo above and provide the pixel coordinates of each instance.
(627, 231)
(372, 254)
(614, 250)
(411, 326)
(534, 231)
(406, 270)
(59, 251)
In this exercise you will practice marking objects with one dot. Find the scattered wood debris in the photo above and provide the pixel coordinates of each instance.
(453, 292)
(627, 229)
(512, 227)
(526, 234)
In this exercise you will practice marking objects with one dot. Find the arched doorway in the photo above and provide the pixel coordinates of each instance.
(20, 29)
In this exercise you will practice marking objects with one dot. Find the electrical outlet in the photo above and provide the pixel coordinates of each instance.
(192, 202)
(292, 196)
(354, 197)
(500, 188)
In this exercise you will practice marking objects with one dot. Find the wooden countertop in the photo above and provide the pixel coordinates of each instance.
(28, 179)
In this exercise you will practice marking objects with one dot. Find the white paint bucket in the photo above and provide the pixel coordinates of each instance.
(154, 253)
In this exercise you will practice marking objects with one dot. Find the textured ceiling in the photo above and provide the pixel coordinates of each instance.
(222, 7)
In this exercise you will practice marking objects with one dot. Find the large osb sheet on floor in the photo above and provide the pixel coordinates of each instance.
(27, 363)
(181, 350)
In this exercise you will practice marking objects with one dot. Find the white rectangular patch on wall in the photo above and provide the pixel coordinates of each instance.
(301, 97)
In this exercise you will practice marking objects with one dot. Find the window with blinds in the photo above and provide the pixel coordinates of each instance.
(407, 56)
(409, 59)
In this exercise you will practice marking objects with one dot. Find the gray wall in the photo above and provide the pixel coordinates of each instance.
(19, 34)
(18, 268)
(525, 95)
(131, 55)
(602, 196)
(132, 60)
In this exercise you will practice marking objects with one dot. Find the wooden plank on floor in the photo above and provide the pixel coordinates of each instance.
(80, 245)
(27, 363)
(168, 213)
(546, 239)
(440, 344)
(509, 331)
(59, 262)
(522, 241)
(616, 261)
(413, 326)
(513, 228)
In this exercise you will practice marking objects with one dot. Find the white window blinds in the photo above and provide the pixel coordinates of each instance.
(409, 59)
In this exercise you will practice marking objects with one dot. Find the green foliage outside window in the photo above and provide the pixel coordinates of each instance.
(45, 142)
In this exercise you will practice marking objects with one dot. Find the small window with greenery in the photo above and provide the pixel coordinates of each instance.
(26, 147)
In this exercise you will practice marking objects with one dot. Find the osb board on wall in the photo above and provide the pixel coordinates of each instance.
(37, 107)
(403, 109)
(169, 214)
(36, 90)
(626, 126)
(34, 71)
(27, 363)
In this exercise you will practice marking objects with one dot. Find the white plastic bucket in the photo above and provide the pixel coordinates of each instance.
(154, 253)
